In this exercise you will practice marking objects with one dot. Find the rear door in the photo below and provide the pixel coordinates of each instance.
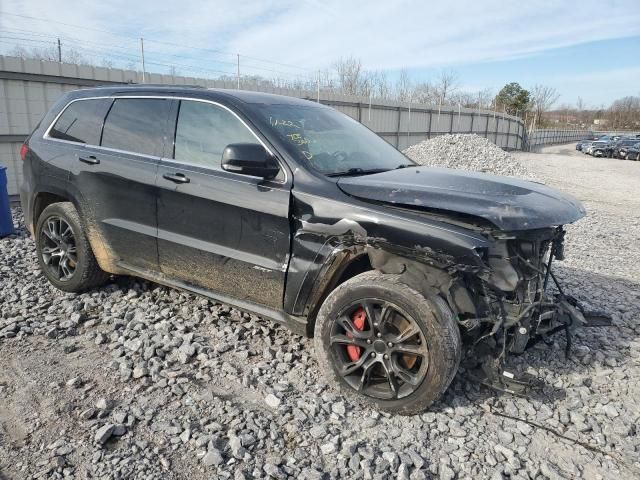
(220, 231)
(117, 180)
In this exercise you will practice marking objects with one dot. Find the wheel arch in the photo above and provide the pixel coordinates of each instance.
(427, 279)
(49, 195)
(42, 200)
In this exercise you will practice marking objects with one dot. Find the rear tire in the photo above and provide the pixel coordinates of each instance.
(64, 253)
(413, 380)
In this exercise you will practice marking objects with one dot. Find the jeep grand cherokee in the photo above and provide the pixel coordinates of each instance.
(298, 213)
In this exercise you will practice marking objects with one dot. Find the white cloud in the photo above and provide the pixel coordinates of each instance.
(313, 33)
(394, 35)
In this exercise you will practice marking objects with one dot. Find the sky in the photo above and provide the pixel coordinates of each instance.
(588, 48)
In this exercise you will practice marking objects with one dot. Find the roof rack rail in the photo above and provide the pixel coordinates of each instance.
(164, 85)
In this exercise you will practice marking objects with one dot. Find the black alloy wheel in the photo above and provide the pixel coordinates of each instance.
(58, 248)
(385, 344)
(379, 350)
(64, 252)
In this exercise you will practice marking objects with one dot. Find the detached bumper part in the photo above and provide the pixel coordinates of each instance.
(567, 314)
(519, 325)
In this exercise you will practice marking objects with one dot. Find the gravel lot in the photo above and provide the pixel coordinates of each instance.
(140, 381)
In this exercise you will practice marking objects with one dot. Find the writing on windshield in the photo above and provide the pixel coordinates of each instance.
(329, 141)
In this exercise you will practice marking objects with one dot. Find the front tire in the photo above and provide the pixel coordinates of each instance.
(383, 343)
(64, 253)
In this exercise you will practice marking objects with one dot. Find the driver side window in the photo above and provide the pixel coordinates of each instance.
(204, 130)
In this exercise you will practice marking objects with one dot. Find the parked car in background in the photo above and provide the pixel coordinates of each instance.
(585, 147)
(627, 148)
(620, 149)
(597, 149)
(579, 146)
(633, 153)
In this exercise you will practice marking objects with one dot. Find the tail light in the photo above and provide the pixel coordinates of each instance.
(24, 151)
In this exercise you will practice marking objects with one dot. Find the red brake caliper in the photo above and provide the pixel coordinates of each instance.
(358, 318)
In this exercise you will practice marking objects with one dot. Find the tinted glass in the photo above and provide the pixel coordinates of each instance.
(330, 141)
(204, 130)
(136, 125)
(81, 121)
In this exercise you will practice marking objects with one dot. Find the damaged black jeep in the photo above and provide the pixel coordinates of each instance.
(297, 213)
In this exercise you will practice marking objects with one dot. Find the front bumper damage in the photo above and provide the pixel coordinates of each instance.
(522, 304)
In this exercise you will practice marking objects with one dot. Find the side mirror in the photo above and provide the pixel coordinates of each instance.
(249, 159)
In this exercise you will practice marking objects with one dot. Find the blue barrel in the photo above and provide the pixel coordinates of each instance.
(6, 223)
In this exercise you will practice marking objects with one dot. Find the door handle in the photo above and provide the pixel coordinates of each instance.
(91, 160)
(176, 177)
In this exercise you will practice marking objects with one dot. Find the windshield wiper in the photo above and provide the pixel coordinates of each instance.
(405, 165)
(357, 171)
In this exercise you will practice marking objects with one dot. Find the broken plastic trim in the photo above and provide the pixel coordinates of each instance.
(549, 316)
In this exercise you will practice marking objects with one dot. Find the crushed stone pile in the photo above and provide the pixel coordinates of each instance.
(467, 152)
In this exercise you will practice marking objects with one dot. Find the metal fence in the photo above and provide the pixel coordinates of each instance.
(539, 138)
(28, 88)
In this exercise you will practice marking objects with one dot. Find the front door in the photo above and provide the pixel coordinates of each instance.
(219, 231)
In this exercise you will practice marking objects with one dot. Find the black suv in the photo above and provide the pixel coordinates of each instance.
(295, 212)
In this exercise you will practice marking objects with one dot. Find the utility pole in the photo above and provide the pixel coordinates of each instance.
(318, 87)
(142, 54)
(238, 69)
(59, 52)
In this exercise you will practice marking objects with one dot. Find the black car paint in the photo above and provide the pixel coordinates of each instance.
(272, 247)
(508, 203)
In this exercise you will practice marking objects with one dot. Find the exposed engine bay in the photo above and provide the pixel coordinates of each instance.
(517, 303)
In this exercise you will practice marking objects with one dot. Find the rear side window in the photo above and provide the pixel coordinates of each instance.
(204, 130)
(81, 121)
(136, 125)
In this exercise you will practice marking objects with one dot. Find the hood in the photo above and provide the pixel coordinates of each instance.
(508, 203)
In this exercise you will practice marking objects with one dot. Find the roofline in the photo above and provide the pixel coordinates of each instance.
(244, 96)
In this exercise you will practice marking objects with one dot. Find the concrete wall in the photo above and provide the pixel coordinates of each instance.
(28, 88)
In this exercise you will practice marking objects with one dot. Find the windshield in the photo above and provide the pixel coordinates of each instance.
(331, 142)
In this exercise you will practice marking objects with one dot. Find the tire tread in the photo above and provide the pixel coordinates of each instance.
(91, 275)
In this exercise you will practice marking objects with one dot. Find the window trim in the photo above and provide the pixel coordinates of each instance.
(46, 135)
(195, 164)
(130, 152)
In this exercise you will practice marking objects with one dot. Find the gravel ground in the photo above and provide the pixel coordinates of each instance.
(135, 380)
(467, 152)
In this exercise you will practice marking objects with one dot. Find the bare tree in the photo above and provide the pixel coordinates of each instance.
(404, 88)
(69, 55)
(426, 92)
(485, 97)
(580, 108)
(350, 79)
(446, 84)
(380, 87)
(624, 113)
(542, 98)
